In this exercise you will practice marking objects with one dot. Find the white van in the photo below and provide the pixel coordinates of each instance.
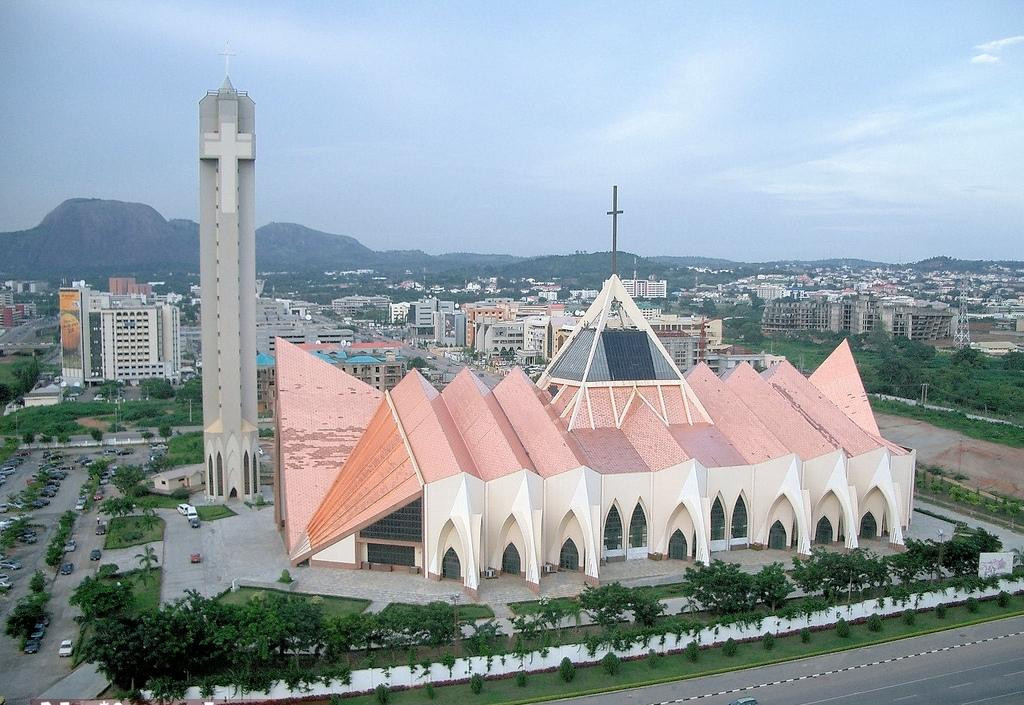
(185, 509)
(191, 513)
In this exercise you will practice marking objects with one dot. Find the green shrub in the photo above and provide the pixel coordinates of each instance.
(476, 683)
(874, 623)
(940, 611)
(567, 670)
(972, 604)
(842, 628)
(611, 663)
(805, 635)
(653, 659)
(382, 694)
(38, 582)
(521, 679)
(1003, 598)
(768, 641)
(908, 617)
(286, 577)
(693, 651)
(180, 493)
(730, 647)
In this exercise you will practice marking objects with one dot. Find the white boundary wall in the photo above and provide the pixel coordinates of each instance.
(365, 680)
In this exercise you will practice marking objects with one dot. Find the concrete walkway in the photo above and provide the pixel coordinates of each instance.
(86, 681)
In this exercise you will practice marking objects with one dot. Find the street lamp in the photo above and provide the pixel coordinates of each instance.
(942, 542)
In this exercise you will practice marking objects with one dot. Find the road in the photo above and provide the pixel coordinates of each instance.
(26, 336)
(982, 664)
(21, 675)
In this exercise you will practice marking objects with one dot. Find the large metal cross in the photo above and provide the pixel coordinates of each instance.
(227, 54)
(615, 213)
(228, 147)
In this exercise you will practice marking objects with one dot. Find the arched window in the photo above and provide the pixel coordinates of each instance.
(638, 528)
(717, 520)
(823, 532)
(220, 475)
(450, 565)
(612, 530)
(677, 549)
(209, 474)
(255, 474)
(510, 562)
(868, 527)
(739, 519)
(569, 556)
(245, 471)
(777, 536)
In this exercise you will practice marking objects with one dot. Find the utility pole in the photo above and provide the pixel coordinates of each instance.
(924, 393)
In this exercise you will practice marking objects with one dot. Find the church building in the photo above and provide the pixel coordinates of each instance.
(614, 455)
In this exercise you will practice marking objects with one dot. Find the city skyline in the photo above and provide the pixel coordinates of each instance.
(743, 134)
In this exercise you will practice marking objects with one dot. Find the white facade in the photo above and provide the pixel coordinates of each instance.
(141, 342)
(227, 261)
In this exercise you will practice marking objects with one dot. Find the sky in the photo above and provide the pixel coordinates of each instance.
(749, 131)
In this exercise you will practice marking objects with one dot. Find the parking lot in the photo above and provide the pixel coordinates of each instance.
(27, 675)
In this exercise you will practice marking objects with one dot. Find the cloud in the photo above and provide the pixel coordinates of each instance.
(984, 59)
(997, 45)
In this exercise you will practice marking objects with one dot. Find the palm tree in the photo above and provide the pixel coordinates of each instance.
(146, 561)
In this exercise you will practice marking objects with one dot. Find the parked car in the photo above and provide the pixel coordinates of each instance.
(101, 528)
(185, 509)
(38, 633)
(193, 522)
(66, 568)
(66, 647)
(196, 558)
(80, 505)
(10, 565)
(95, 554)
(70, 546)
(97, 496)
(31, 646)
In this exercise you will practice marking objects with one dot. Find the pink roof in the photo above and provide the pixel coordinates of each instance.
(651, 438)
(708, 445)
(822, 413)
(838, 379)
(550, 447)
(608, 450)
(490, 438)
(378, 478)
(321, 415)
(751, 438)
(791, 427)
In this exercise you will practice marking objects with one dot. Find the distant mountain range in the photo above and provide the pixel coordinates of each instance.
(89, 236)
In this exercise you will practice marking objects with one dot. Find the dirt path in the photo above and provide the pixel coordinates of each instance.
(90, 422)
(989, 465)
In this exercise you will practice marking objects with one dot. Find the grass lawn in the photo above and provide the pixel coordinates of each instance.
(213, 512)
(185, 448)
(160, 501)
(147, 594)
(333, 606)
(8, 448)
(132, 531)
(545, 686)
(469, 612)
(533, 606)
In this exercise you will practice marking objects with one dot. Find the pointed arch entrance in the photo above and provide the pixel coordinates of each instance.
(569, 556)
(637, 533)
(451, 567)
(510, 560)
(823, 532)
(678, 549)
(612, 546)
(777, 536)
(868, 526)
(245, 473)
(740, 534)
(220, 475)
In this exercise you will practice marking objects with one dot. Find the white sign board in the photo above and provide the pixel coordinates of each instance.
(992, 564)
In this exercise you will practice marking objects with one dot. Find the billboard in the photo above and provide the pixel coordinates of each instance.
(71, 329)
(992, 564)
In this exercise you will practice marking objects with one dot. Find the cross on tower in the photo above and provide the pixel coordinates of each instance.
(227, 54)
(228, 147)
(615, 213)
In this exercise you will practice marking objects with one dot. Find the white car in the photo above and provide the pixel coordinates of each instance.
(185, 509)
(66, 648)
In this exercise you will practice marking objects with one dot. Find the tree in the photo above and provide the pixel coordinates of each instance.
(771, 585)
(605, 604)
(29, 438)
(26, 614)
(721, 588)
(1014, 362)
(147, 559)
(97, 435)
(418, 363)
(191, 391)
(645, 606)
(6, 394)
(118, 506)
(128, 479)
(100, 598)
(157, 389)
(164, 431)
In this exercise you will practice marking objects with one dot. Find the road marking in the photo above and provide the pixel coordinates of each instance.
(994, 697)
(864, 665)
(961, 685)
(905, 697)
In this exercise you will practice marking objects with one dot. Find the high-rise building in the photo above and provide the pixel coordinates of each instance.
(856, 315)
(127, 286)
(123, 338)
(646, 288)
(227, 266)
